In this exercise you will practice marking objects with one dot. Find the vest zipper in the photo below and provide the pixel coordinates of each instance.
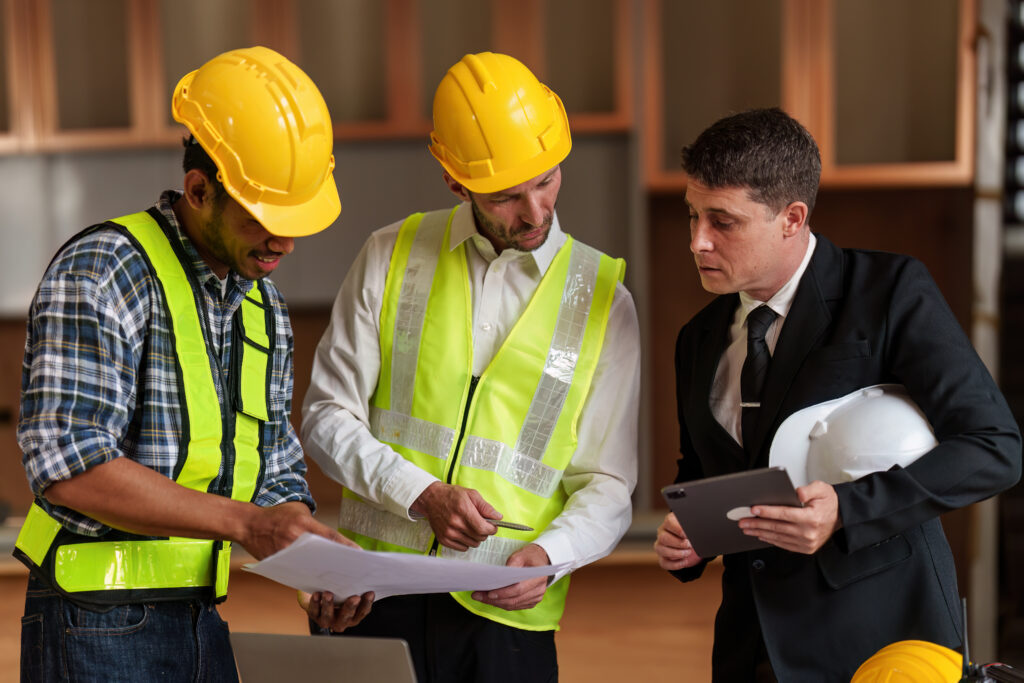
(458, 444)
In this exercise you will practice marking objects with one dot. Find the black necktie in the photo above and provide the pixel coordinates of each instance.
(755, 368)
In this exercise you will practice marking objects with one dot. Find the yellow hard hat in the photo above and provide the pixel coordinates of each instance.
(266, 127)
(495, 124)
(911, 661)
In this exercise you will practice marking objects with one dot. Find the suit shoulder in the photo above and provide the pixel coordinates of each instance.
(882, 261)
(850, 269)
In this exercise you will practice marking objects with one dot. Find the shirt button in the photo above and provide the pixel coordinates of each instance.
(486, 327)
(757, 565)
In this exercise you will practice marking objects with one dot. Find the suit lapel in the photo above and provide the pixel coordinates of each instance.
(808, 318)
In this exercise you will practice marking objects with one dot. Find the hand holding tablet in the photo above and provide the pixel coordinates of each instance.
(709, 509)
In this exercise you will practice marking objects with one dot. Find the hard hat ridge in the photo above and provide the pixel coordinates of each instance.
(496, 125)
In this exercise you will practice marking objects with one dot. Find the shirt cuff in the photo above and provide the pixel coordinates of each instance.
(559, 550)
(402, 490)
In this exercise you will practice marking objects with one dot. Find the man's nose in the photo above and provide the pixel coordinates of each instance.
(281, 245)
(699, 238)
(532, 211)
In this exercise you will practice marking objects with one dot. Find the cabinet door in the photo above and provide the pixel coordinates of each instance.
(344, 47)
(90, 66)
(589, 63)
(705, 60)
(7, 72)
(899, 102)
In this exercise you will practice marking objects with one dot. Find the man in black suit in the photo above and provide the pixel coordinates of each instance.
(863, 563)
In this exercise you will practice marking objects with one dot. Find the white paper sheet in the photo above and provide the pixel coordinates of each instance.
(312, 563)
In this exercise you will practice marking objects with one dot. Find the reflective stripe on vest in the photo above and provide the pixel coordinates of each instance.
(80, 564)
(520, 415)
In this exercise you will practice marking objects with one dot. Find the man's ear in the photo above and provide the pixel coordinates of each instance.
(457, 188)
(198, 189)
(795, 217)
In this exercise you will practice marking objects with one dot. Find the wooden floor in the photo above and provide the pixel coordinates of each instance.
(625, 621)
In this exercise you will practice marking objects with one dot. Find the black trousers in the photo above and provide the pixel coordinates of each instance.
(450, 644)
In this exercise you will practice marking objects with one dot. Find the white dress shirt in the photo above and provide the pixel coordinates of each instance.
(725, 390)
(602, 474)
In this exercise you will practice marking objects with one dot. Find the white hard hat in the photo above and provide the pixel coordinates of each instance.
(869, 430)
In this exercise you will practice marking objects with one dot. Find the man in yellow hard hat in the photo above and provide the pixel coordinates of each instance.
(157, 386)
(482, 365)
(798, 322)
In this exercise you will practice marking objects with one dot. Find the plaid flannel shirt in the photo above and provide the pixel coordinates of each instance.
(99, 379)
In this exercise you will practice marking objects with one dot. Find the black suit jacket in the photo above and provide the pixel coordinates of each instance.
(858, 318)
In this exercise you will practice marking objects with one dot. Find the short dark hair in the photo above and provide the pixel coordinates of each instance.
(764, 150)
(197, 158)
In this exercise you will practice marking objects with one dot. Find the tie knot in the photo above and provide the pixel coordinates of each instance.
(758, 322)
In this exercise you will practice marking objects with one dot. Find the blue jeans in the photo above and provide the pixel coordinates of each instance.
(182, 640)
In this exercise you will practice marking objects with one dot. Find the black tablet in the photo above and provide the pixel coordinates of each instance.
(709, 509)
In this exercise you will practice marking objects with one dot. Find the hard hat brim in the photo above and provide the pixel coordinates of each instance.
(509, 178)
(299, 220)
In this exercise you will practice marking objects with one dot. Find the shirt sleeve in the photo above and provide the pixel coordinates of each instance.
(84, 340)
(602, 474)
(335, 412)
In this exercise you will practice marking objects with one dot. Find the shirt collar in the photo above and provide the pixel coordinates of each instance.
(202, 271)
(782, 300)
(464, 228)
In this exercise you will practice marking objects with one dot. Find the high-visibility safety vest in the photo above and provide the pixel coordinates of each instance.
(509, 433)
(120, 567)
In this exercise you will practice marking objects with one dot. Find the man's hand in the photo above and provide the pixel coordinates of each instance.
(270, 529)
(525, 594)
(800, 530)
(321, 608)
(673, 547)
(457, 515)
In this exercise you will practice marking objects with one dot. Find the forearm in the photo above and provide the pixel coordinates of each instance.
(128, 496)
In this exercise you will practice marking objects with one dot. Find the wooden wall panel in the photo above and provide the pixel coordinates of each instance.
(14, 489)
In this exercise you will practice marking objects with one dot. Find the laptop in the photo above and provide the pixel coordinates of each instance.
(709, 509)
(274, 657)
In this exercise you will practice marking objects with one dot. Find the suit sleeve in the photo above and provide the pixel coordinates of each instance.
(979, 450)
(689, 467)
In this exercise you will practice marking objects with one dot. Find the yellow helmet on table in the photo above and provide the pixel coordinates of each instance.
(267, 128)
(911, 661)
(496, 125)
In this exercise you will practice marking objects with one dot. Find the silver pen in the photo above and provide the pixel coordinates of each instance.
(510, 525)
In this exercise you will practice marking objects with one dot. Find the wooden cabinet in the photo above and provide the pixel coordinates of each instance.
(703, 61)
(897, 93)
(100, 74)
(15, 78)
(886, 88)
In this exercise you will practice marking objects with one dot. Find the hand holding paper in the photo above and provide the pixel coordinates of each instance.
(314, 564)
